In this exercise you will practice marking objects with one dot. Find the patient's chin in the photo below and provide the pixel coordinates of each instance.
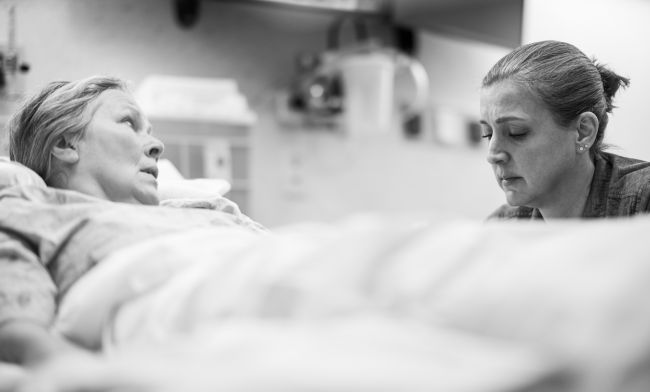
(147, 196)
(150, 200)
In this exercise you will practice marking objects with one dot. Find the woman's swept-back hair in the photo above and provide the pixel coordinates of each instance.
(564, 78)
(57, 113)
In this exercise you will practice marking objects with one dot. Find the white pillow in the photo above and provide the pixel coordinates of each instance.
(172, 185)
(13, 173)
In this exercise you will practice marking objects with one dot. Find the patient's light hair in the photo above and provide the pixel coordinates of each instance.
(56, 114)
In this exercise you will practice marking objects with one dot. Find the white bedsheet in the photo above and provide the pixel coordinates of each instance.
(374, 304)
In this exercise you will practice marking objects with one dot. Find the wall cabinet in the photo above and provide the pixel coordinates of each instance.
(497, 22)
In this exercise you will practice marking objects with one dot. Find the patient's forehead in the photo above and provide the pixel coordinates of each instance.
(114, 100)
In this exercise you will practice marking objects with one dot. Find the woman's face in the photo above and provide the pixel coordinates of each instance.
(533, 158)
(118, 155)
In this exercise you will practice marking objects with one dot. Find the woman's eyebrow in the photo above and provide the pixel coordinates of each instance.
(504, 119)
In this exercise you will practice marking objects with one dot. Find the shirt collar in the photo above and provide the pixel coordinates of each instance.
(597, 199)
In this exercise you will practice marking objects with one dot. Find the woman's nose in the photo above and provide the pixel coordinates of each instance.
(496, 153)
(155, 148)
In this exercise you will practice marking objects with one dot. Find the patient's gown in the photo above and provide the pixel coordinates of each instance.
(49, 238)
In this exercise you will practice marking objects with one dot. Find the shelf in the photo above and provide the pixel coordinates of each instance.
(189, 129)
(368, 7)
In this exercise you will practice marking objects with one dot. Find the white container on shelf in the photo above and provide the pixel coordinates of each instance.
(193, 98)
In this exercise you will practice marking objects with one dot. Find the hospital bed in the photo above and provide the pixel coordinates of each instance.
(374, 303)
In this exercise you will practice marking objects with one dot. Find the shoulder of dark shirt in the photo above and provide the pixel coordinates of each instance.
(629, 175)
(625, 166)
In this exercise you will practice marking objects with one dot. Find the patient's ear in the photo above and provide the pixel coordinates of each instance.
(65, 151)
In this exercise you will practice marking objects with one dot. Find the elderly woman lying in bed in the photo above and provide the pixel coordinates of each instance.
(97, 280)
(94, 149)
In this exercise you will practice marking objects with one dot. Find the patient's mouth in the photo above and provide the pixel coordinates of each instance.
(151, 170)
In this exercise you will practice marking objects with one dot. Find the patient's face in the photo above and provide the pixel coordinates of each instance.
(118, 155)
(533, 158)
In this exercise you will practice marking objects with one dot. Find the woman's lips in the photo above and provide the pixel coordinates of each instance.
(508, 181)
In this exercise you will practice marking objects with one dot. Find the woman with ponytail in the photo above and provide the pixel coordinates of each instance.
(544, 110)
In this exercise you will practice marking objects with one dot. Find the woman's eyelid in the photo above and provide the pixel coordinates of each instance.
(486, 130)
(510, 129)
(518, 131)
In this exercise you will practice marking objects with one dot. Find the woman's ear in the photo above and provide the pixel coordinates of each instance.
(65, 151)
(587, 126)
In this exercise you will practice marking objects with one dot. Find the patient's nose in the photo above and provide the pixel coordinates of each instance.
(155, 148)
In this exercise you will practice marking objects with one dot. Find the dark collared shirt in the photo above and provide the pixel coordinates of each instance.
(620, 187)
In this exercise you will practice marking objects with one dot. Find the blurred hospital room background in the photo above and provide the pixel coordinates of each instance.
(260, 93)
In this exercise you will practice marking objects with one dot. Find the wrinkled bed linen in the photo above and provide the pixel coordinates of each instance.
(538, 299)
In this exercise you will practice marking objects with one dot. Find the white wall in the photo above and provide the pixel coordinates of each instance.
(68, 39)
(617, 33)
(456, 67)
(324, 175)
